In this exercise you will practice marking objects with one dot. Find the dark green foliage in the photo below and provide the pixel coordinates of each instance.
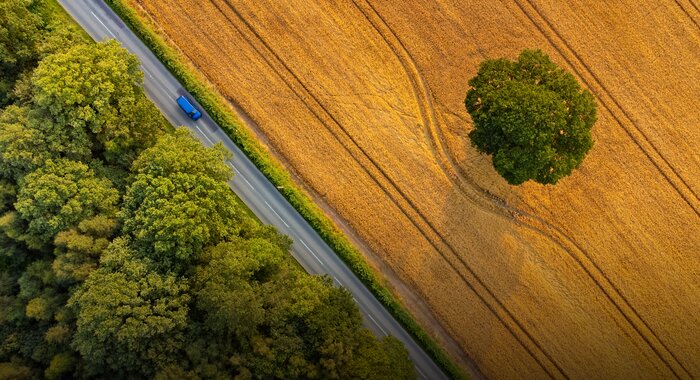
(531, 116)
(60, 194)
(275, 322)
(379, 361)
(15, 371)
(61, 366)
(20, 35)
(131, 319)
(8, 193)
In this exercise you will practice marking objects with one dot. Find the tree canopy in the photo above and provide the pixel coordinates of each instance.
(175, 217)
(123, 251)
(89, 99)
(130, 317)
(180, 152)
(531, 116)
(179, 201)
(22, 148)
(275, 322)
(60, 194)
(20, 35)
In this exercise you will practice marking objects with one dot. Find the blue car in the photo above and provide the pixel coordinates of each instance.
(188, 108)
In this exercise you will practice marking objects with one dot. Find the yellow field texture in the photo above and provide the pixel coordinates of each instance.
(362, 100)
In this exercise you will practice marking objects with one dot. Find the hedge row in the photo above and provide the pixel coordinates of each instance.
(214, 104)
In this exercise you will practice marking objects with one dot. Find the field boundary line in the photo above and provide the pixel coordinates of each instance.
(667, 356)
(411, 206)
(213, 102)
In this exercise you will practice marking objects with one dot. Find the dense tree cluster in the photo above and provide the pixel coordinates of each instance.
(124, 253)
(531, 116)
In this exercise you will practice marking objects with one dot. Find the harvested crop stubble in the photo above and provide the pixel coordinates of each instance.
(596, 277)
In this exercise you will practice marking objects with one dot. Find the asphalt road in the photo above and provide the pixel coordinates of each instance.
(249, 183)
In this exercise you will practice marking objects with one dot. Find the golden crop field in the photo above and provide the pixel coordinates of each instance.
(362, 100)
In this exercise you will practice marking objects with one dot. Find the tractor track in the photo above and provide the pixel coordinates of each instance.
(692, 19)
(424, 98)
(467, 186)
(669, 358)
(595, 84)
(323, 113)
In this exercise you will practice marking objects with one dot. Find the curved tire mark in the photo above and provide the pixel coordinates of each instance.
(424, 97)
(502, 314)
(505, 316)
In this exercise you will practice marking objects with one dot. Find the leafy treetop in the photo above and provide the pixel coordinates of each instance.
(89, 100)
(532, 116)
(60, 194)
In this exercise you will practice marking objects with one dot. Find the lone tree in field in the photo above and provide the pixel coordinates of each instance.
(532, 116)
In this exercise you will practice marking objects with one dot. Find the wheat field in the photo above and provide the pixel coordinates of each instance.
(362, 100)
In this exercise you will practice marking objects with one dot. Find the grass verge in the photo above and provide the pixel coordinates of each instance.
(216, 106)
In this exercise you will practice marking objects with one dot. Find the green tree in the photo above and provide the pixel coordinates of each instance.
(22, 148)
(60, 194)
(8, 192)
(20, 34)
(89, 98)
(61, 366)
(131, 319)
(78, 250)
(60, 36)
(173, 218)
(229, 286)
(531, 116)
(37, 290)
(273, 321)
(386, 359)
(15, 371)
(180, 152)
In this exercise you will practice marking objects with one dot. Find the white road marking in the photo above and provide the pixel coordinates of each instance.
(103, 24)
(312, 252)
(239, 174)
(340, 283)
(278, 215)
(145, 70)
(354, 299)
(421, 372)
(157, 83)
(204, 134)
(375, 322)
(246, 181)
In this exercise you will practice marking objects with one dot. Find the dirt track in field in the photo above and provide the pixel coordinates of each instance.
(598, 276)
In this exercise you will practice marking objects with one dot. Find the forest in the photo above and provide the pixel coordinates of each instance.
(123, 251)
